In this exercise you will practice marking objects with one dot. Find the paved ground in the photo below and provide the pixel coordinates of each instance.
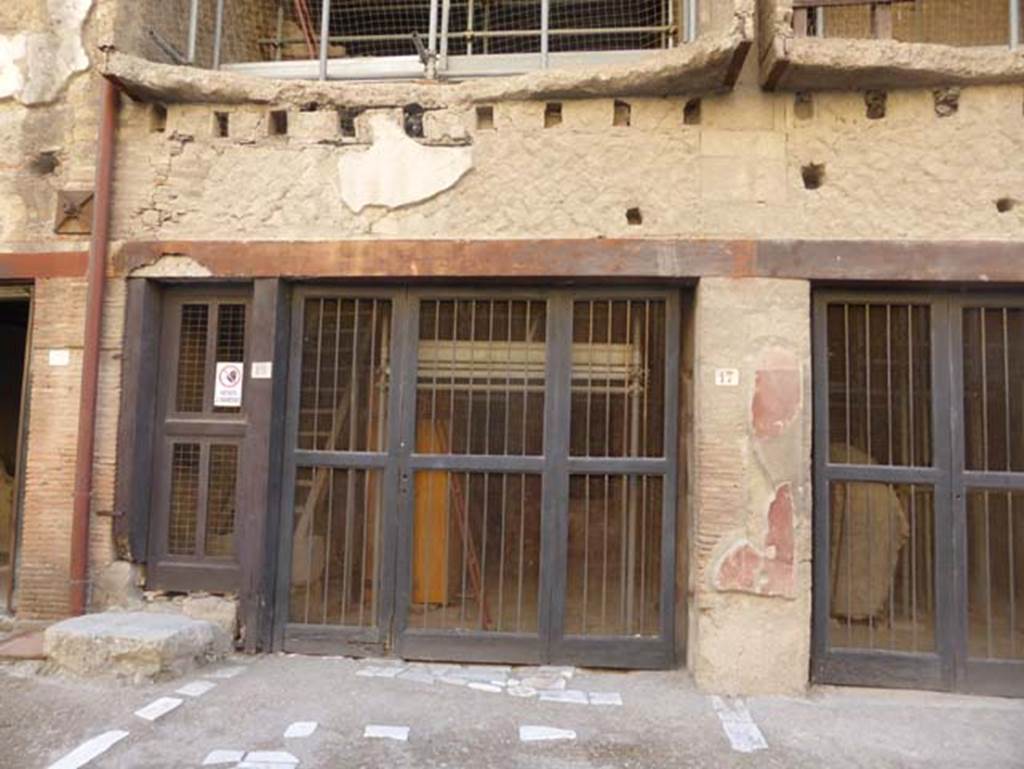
(663, 722)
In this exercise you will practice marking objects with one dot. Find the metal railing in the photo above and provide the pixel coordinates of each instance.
(432, 38)
(949, 22)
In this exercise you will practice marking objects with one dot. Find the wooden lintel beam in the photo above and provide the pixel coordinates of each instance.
(589, 260)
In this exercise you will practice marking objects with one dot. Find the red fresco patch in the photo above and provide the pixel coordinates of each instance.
(776, 400)
(780, 525)
(738, 569)
(748, 570)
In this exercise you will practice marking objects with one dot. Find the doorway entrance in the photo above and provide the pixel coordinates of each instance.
(481, 475)
(14, 324)
(919, 500)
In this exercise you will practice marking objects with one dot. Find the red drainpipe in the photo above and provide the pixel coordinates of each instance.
(95, 274)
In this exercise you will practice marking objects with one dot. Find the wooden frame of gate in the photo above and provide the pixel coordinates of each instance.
(948, 665)
(399, 461)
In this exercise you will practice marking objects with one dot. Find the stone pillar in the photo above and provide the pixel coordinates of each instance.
(750, 575)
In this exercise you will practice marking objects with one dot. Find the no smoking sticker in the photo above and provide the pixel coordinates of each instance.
(228, 389)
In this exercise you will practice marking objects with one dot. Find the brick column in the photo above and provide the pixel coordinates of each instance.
(750, 576)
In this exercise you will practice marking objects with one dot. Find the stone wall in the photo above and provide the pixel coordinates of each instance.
(748, 164)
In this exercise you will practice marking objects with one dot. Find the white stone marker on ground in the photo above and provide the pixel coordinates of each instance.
(89, 750)
(574, 696)
(195, 688)
(605, 698)
(226, 672)
(739, 726)
(215, 757)
(158, 708)
(400, 733)
(480, 686)
(300, 729)
(269, 757)
(544, 734)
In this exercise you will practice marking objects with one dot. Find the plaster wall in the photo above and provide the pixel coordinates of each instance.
(739, 172)
(48, 113)
(750, 581)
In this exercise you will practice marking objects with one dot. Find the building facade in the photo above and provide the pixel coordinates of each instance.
(631, 334)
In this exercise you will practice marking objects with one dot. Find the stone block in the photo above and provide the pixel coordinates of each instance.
(446, 125)
(220, 610)
(520, 115)
(588, 114)
(742, 179)
(742, 144)
(657, 114)
(136, 645)
(118, 587)
(315, 126)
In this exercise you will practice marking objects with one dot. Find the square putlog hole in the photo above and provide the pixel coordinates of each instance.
(158, 119)
(691, 112)
(485, 118)
(221, 124)
(622, 115)
(552, 114)
(347, 123)
(813, 175)
(634, 217)
(278, 125)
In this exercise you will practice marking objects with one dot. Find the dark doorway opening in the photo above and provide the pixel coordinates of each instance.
(14, 322)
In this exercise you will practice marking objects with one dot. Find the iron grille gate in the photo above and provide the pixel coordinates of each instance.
(919, 491)
(481, 475)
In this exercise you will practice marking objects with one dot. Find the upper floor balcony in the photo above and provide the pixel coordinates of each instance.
(412, 39)
(808, 44)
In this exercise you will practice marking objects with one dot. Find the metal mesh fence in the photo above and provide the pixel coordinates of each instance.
(290, 30)
(945, 22)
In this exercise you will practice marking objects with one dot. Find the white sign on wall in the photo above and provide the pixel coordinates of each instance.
(262, 369)
(727, 377)
(227, 390)
(60, 357)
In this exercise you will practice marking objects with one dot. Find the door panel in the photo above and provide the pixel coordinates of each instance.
(193, 537)
(988, 471)
(443, 439)
(341, 467)
(919, 522)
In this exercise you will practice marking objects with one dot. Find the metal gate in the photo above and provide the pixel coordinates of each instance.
(919, 491)
(481, 475)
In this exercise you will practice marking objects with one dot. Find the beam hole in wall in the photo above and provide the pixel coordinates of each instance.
(803, 105)
(947, 101)
(157, 118)
(278, 122)
(412, 119)
(813, 175)
(485, 118)
(634, 217)
(1005, 205)
(221, 125)
(44, 163)
(622, 114)
(874, 104)
(552, 114)
(310, 106)
(347, 122)
(691, 112)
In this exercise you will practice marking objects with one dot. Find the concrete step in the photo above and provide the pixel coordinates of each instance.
(136, 645)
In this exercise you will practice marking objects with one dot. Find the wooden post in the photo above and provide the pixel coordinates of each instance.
(800, 22)
(881, 21)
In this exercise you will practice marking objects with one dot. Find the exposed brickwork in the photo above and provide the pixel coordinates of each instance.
(58, 318)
